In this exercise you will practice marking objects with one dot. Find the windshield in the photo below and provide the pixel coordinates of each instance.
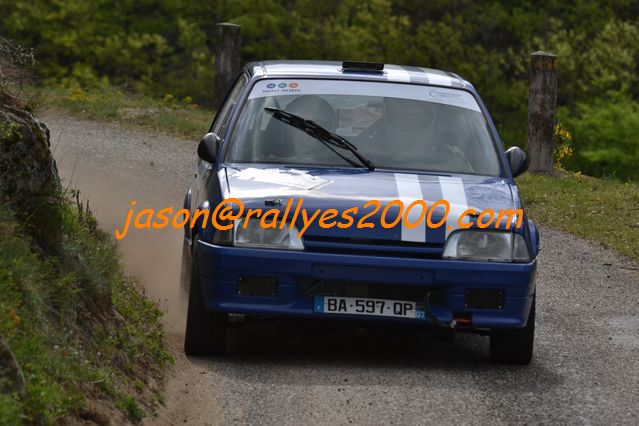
(395, 126)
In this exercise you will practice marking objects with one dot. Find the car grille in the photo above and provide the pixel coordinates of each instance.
(411, 293)
(372, 247)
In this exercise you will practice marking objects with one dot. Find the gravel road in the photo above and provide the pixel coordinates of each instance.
(585, 370)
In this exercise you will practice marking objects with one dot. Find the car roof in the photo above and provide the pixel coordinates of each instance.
(333, 70)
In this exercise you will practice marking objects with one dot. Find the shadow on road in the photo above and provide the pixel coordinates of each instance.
(288, 351)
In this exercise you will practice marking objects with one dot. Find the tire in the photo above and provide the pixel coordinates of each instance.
(514, 347)
(205, 330)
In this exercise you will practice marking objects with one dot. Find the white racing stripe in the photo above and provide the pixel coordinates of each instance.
(397, 74)
(453, 192)
(409, 190)
(441, 80)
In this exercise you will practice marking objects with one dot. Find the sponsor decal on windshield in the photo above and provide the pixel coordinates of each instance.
(277, 89)
(439, 95)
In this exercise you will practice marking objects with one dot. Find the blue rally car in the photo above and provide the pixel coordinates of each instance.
(336, 136)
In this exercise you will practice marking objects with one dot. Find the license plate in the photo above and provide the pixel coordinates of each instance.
(368, 307)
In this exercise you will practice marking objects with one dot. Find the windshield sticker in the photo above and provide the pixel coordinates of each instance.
(277, 89)
(287, 177)
(440, 95)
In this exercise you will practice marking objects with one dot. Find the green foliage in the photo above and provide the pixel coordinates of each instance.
(9, 130)
(74, 322)
(159, 46)
(563, 146)
(146, 45)
(601, 210)
(10, 410)
(129, 405)
(606, 138)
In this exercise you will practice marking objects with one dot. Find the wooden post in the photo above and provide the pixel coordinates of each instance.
(542, 103)
(227, 59)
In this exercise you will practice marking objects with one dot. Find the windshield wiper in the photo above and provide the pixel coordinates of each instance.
(329, 139)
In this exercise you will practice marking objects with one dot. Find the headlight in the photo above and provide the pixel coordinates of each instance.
(486, 246)
(254, 235)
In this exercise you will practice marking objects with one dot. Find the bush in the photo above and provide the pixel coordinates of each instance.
(605, 138)
(147, 46)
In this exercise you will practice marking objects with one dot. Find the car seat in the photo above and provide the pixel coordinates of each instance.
(284, 142)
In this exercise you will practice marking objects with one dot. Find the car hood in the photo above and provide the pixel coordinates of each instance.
(260, 186)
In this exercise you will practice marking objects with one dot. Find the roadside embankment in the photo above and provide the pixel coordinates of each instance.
(78, 340)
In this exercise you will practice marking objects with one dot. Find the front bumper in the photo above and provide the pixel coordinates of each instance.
(222, 267)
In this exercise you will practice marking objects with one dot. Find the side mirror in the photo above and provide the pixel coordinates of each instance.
(517, 160)
(208, 147)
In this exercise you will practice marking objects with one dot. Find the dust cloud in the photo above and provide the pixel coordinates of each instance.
(153, 256)
(113, 172)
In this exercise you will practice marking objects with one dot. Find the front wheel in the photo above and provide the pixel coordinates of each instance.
(205, 330)
(514, 346)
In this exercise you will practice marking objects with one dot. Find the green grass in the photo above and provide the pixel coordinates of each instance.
(76, 324)
(177, 117)
(129, 405)
(601, 210)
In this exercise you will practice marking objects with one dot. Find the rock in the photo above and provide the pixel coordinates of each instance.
(29, 180)
(11, 377)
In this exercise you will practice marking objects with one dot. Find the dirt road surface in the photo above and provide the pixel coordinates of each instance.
(585, 370)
